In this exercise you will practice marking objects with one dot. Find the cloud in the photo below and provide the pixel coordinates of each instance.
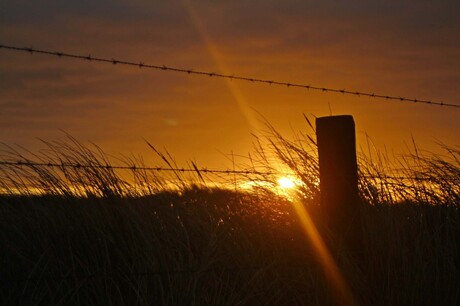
(396, 47)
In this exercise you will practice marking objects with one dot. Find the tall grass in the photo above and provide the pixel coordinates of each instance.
(97, 235)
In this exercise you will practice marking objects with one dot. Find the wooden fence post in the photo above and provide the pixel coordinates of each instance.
(339, 178)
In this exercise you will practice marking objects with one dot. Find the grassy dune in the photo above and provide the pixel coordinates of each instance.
(92, 237)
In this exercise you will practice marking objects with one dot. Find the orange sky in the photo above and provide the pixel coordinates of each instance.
(403, 48)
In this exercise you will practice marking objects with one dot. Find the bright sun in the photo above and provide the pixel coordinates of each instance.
(286, 183)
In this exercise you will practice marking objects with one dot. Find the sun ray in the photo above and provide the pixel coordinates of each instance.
(220, 63)
(332, 272)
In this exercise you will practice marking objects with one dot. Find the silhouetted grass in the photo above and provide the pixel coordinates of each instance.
(97, 236)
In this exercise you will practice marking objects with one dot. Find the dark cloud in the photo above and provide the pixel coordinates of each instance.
(49, 11)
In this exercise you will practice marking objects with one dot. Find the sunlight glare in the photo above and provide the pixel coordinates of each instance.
(286, 183)
(343, 293)
(216, 55)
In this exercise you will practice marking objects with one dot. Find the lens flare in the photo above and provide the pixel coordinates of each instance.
(216, 55)
(332, 272)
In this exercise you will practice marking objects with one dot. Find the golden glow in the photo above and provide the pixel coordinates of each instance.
(286, 183)
(288, 186)
(254, 184)
(220, 63)
(331, 270)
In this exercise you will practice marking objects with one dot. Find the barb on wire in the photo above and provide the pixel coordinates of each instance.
(226, 76)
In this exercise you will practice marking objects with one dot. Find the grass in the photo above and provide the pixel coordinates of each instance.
(92, 236)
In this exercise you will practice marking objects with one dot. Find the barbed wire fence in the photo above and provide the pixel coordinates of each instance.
(137, 168)
(396, 180)
(186, 170)
(141, 64)
(79, 180)
(390, 179)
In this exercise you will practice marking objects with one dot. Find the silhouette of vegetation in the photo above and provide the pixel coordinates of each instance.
(83, 235)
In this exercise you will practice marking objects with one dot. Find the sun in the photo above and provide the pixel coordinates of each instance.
(286, 183)
(288, 186)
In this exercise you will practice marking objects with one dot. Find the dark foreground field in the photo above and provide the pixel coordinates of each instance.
(215, 247)
(94, 237)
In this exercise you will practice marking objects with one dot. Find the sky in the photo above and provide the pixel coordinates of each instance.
(401, 48)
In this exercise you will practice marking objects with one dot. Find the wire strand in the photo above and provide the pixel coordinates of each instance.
(133, 168)
(226, 76)
(192, 170)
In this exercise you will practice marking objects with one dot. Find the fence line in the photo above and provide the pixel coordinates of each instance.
(191, 170)
(135, 168)
(226, 76)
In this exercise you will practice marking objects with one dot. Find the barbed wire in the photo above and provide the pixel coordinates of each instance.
(184, 170)
(398, 178)
(226, 76)
(135, 168)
